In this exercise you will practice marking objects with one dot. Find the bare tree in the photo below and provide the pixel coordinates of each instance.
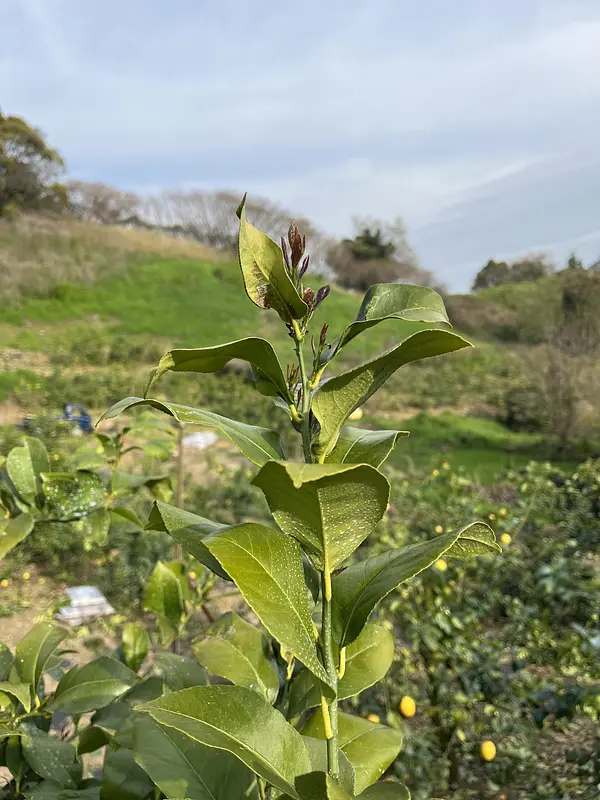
(106, 205)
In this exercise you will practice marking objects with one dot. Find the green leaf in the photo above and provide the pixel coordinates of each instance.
(20, 691)
(259, 445)
(50, 757)
(358, 589)
(13, 531)
(237, 719)
(386, 790)
(259, 353)
(94, 528)
(123, 779)
(6, 661)
(189, 530)
(73, 495)
(91, 739)
(135, 643)
(183, 768)
(126, 515)
(165, 596)
(369, 747)
(179, 672)
(358, 446)
(34, 650)
(367, 661)
(267, 567)
(234, 649)
(266, 278)
(46, 790)
(329, 508)
(383, 301)
(338, 397)
(93, 685)
(319, 786)
(317, 752)
(24, 465)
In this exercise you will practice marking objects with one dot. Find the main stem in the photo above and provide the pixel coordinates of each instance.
(330, 712)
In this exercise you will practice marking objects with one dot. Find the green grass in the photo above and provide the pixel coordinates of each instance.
(483, 447)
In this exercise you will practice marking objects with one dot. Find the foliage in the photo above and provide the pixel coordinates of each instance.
(527, 268)
(29, 169)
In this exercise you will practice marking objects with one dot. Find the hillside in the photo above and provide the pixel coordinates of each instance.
(87, 309)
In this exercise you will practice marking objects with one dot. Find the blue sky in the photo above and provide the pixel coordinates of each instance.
(475, 120)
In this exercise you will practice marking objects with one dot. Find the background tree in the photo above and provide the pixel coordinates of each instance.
(106, 205)
(379, 252)
(529, 267)
(29, 169)
(492, 274)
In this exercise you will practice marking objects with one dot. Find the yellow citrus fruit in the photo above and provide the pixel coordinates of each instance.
(488, 750)
(356, 414)
(435, 473)
(506, 539)
(446, 465)
(492, 516)
(408, 707)
(441, 565)
(26, 576)
(405, 484)
(192, 575)
(4, 583)
(502, 512)
(373, 718)
(439, 529)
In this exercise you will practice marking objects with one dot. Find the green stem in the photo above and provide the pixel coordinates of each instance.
(331, 669)
(330, 712)
(305, 408)
(262, 789)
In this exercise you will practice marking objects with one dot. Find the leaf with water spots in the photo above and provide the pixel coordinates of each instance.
(13, 531)
(34, 650)
(93, 685)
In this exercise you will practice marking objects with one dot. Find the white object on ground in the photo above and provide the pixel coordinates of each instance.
(87, 604)
(200, 440)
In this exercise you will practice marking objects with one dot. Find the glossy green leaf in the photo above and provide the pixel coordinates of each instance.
(19, 691)
(369, 747)
(24, 466)
(91, 739)
(368, 659)
(259, 353)
(358, 446)
(259, 445)
(135, 643)
(94, 528)
(317, 752)
(49, 757)
(358, 589)
(386, 790)
(126, 516)
(266, 278)
(6, 661)
(47, 790)
(234, 649)
(123, 779)
(401, 301)
(13, 531)
(267, 567)
(189, 530)
(329, 508)
(237, 719)
(165, 596)
(34, 650)
(73, 495)
(183, 768)
(180, 672)
(338, 397)
(93, 685)
(319, 786)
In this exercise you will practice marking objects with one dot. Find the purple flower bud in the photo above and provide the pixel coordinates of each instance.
(321, 295)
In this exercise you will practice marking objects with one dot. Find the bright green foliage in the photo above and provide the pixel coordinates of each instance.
(173, 732)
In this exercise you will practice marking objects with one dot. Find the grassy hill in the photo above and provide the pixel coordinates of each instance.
(86, 310)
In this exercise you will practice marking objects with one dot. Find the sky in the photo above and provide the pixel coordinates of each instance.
(475, 120)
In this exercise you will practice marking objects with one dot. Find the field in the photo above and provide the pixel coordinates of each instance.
(505, 647)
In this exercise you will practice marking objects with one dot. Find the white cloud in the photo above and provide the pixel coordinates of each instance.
(364, 106)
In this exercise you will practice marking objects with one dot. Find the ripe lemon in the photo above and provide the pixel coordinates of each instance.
(356, 414)
(502, 512)
(492, 517)
(441, 565)
(435, 473)
(506, 539)
(192, 575)
(373, 718)
(408, 707)
(26, 576)
(438, 529)
(488, 750)
(4, 583)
